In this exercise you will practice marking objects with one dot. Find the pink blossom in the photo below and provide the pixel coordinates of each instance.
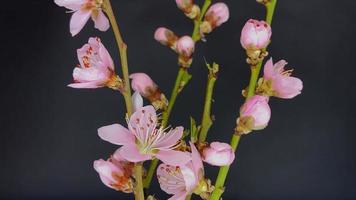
(255, 34)
(218, 154)
(115, 173)
(185, 46)
(181, 181)
(137, 101)
(255, 114)
(83, 10)
(282, 84)
(144, 141)
(96, 67)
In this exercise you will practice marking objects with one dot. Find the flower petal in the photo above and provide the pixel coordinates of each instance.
(196, 160)
(179, 196)
(87, 85)
(101, 22)
(70, 4)
(170, 179)
(172, 157)
(78, 20)
(116, 134)
(131, 153)
(137, 101)
(190, 178)
(170, 139)
(143, 122)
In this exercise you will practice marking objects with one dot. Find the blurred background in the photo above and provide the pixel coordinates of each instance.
(48, 132)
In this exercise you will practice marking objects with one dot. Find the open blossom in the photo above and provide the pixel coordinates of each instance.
(115, 173)
(96, 67)
(255, 114)
(217, 14)
(144, 85)
(83, 10)
(144, 141)
(181, 181)
(218, 154)
(278, 82)
(255, 34)
(166, 37)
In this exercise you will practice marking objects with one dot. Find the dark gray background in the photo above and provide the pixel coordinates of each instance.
(48, 136)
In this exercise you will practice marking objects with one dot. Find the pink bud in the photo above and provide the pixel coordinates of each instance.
(143, 84)
(217, 14)
(166, 37)
(255, 34)
(185, 46)
(257, 109)
(218, 154)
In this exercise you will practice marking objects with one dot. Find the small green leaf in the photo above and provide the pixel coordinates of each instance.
(193, 130)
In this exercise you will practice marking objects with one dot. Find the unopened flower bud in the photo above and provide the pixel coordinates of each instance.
(189, 8)
(214, 17)
(218, 154)
(185, 49)
(166, 37)
(143, 84)
(255, 114)
(255, 34)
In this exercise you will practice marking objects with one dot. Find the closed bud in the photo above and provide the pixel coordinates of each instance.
(145, 86)
(166, 37)
(214, 17)
(185, 49)
(189, 8)
(218, 154)
(255, 35)
(255, 114)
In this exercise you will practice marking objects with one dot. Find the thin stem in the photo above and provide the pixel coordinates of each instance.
(139, 195)
(196, 32)
(220, 180)
(176, 90)
(206, 121)
(123, 55)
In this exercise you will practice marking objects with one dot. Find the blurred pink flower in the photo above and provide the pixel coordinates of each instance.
(166, 37)
(255, 34)
(218, 154)
(115, 173)
(96, 67)
(255, 114)
(181, 181)
(144, 141)
(281, 83)
(83, 10)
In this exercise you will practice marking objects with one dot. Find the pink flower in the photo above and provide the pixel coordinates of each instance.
(115, 173)
(255, 34)
(281, 83)
(144, 141)
(166, 37)
(219, 154)
(181, 181)
(214, 17)
(96, 67)
(255, 114)
(83, 10)
(185, 46)
(145, 86)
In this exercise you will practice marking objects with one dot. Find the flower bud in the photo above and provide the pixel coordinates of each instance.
(255, 114)
(218, 154)
(189, 8)
(185, 46)
(214, 17)
(255, 34)
(166, 37)
(144, 85)
(115, 174)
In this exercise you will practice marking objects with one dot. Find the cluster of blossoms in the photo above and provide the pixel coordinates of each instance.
(146, 136)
